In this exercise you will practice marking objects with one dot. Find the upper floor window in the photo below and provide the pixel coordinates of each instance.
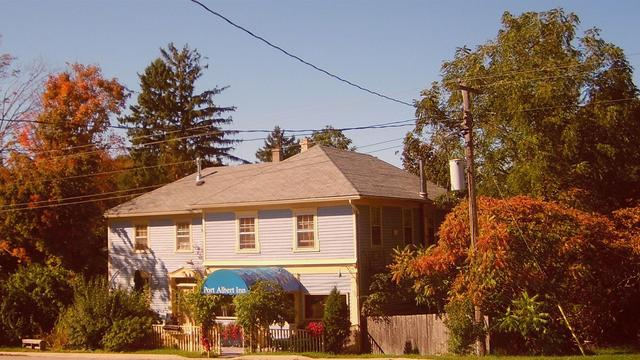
(183, 236)
(247, 234)
(141, 238)
(376, 226)
(407, 226)
(305, 228)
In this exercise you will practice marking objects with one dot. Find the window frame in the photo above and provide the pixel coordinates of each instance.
(175, 232)
(404, 226)
(316, 240)
(256, 221)
(371, 225)
(135, 237)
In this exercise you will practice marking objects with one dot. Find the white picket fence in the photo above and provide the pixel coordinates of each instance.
(185, 337)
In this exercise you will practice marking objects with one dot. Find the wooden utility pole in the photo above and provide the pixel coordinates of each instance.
(467, 129)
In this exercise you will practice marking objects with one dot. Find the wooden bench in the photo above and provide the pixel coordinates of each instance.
(35, 344)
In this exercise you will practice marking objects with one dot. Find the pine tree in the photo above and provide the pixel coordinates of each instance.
(288, 145)
(169, 108)
(336, 322)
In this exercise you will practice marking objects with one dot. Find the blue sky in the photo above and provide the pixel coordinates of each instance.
(394, 47)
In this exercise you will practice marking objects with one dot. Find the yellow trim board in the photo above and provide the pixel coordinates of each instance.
(344, 270)
(304, 202)
(284, 263)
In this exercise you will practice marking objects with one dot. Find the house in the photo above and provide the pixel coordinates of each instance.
(324, 217)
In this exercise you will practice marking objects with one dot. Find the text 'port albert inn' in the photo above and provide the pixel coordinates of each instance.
(321, 219)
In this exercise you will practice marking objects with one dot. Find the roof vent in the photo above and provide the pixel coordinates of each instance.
(199, 179)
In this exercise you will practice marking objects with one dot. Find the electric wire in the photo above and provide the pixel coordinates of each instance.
(332, 75)
(76, 197)
(72, 203)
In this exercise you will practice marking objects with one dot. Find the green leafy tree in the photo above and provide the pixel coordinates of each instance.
(201, 308)
(557, 116)
(336, 322)
(265, 304)
(31, 300)
(277, 139)
(329, 136)
(169, 108)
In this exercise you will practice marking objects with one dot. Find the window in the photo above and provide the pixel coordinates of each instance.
(247, 233)
(376, 226)
(141, 238)
(141, 280)
(183, 236)
(407, 225)
(305, 231)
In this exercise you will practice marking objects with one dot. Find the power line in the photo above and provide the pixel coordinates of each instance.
(72, 203)
(383, 149)
(392, 124)
(75, 197)
(300, 59)
(111, 172)
(379, 143)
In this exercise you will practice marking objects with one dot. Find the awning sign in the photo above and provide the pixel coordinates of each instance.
(238, 281)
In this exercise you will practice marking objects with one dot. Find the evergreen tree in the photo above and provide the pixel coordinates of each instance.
(288, 145)
(169, 108)
(336, 322)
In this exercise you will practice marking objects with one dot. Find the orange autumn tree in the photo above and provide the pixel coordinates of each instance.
(69, 142)
(531, 248)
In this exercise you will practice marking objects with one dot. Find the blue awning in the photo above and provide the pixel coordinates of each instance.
(239, 281)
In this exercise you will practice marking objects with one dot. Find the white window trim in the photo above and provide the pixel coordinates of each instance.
(375, 246)
(248, 214)
(404, 239)
(175, 235)
(141, 251)
(316, 241)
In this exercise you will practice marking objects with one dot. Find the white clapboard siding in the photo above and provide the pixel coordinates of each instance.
(276, 234)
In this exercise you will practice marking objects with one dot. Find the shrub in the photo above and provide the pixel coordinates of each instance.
(128, 334)
(336, 322)
(463, 331)
(231, 335)
(96, 309)
(579, 261)
(315, 328)
(32, 298)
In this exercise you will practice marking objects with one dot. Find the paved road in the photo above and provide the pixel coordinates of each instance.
(59, 356)
(85, 356)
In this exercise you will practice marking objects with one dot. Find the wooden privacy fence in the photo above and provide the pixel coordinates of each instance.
(184, 338)
(425, 334)
(285, 340)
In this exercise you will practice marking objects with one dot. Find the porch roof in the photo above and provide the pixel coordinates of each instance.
(239, 281)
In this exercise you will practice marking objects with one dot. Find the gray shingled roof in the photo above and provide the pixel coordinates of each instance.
(319, 173)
